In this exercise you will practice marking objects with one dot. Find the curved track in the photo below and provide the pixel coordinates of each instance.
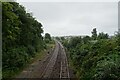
(53, 65)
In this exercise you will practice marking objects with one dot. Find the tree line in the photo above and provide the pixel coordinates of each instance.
(21, 38)
(95, 57)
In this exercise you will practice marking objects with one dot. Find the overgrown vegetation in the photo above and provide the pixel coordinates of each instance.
(47, 38)
(96, 57)
(21, 38)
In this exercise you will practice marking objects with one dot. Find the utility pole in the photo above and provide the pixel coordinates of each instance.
(119, 17)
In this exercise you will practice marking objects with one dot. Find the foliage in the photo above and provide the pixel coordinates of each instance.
(95, 59)
(103, 36)
(47, 37)
(94, 34)
(21, 37)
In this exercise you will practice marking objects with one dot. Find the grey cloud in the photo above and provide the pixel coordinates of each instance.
(75, 18)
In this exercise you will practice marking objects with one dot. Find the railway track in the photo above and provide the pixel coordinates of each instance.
(49, 68)
(58, 65)
(64, 72)
(54, 65)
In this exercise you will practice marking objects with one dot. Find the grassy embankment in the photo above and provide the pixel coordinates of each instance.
(38, 55)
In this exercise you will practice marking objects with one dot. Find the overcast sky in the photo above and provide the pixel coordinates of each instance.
(75, 18)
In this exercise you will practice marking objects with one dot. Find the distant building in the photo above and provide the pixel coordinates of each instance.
(72, 36)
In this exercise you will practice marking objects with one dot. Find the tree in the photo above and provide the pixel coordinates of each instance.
(21, 37)
(47, 36)
(86, 39)
(57, 38)
(99, 60)
(62, 38)
(94, 34)
(103, 36)
(118, 38)
(74, 42)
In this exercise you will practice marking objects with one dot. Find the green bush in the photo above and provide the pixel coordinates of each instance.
(14, 59)
(21, 37)
(96, 60)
